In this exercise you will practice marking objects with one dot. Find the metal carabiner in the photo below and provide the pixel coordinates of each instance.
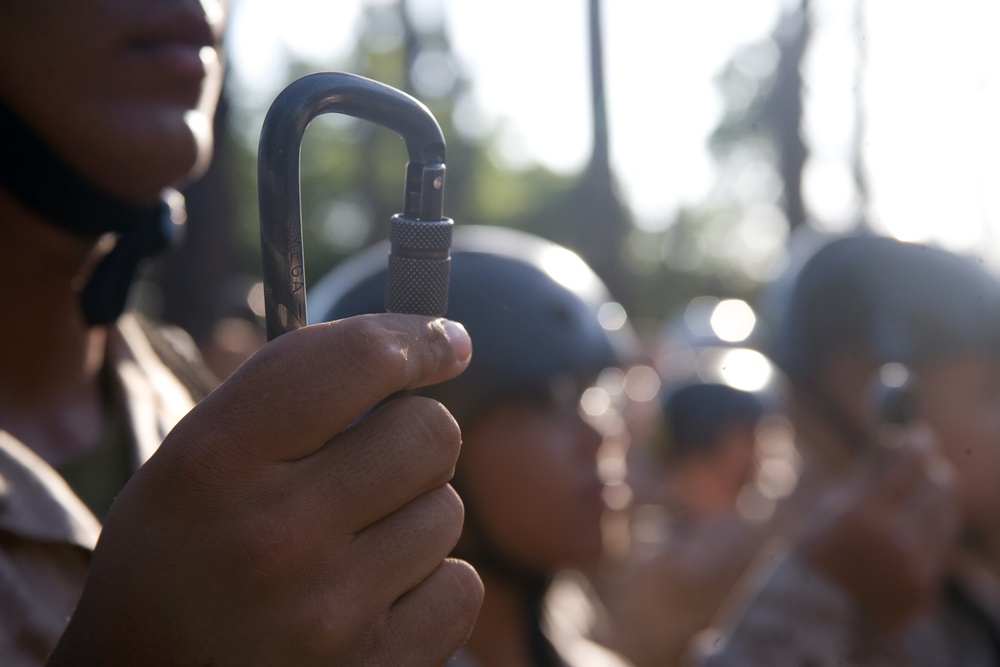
(420, 237)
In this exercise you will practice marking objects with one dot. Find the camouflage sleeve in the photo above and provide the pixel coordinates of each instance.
(790, 615)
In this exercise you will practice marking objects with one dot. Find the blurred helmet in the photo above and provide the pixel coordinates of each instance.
(542, 323)
(901, 302)
(696, 415)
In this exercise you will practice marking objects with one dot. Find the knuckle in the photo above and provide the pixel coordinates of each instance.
(426, 528)
(360, 349)
(366, 356)
(204, 464)
(265, 543)
(339, 626)
(450, 509)
(457, 590)
(361, 342)
(386, 355)
(467, 593)
(431, 427)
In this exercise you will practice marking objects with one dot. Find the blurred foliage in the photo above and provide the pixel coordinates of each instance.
(762, 89)
(352, 171)
(352, 174)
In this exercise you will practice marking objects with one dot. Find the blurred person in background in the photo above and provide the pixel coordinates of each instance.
(687, 554)
(528, 473)
(261, 531)
(892, 354)
(707, 449)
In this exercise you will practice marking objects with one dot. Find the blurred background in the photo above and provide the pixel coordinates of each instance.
(686, 150)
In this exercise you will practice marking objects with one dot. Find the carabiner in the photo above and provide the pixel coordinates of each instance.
(419, 258)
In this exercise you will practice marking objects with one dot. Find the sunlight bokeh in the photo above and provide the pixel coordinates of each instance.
(929, 96)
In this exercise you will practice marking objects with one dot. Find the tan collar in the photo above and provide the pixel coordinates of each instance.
(35, 502)
(155, 399)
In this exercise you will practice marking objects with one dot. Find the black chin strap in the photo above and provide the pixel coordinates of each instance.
(46, 184)
(104, 296)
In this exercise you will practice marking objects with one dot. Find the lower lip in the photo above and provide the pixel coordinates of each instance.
(176, 59)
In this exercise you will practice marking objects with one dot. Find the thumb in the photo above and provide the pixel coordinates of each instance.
(302, 388)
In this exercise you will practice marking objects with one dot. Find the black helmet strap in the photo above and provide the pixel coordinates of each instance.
(38, 177)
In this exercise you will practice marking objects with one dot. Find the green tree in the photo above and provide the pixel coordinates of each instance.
(352, 172)
(727, 244)
(761, 126)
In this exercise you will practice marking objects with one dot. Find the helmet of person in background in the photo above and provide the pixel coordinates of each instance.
(901, 302)
(696, 415)
(542, 323)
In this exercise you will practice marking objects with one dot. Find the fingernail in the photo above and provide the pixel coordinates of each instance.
(459, 339)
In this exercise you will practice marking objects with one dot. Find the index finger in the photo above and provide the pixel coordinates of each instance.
(302, 388)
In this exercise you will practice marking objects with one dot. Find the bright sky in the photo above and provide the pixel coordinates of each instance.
(932, 95)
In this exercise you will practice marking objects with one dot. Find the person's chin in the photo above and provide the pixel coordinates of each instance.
(162, 146)
(201, 128)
